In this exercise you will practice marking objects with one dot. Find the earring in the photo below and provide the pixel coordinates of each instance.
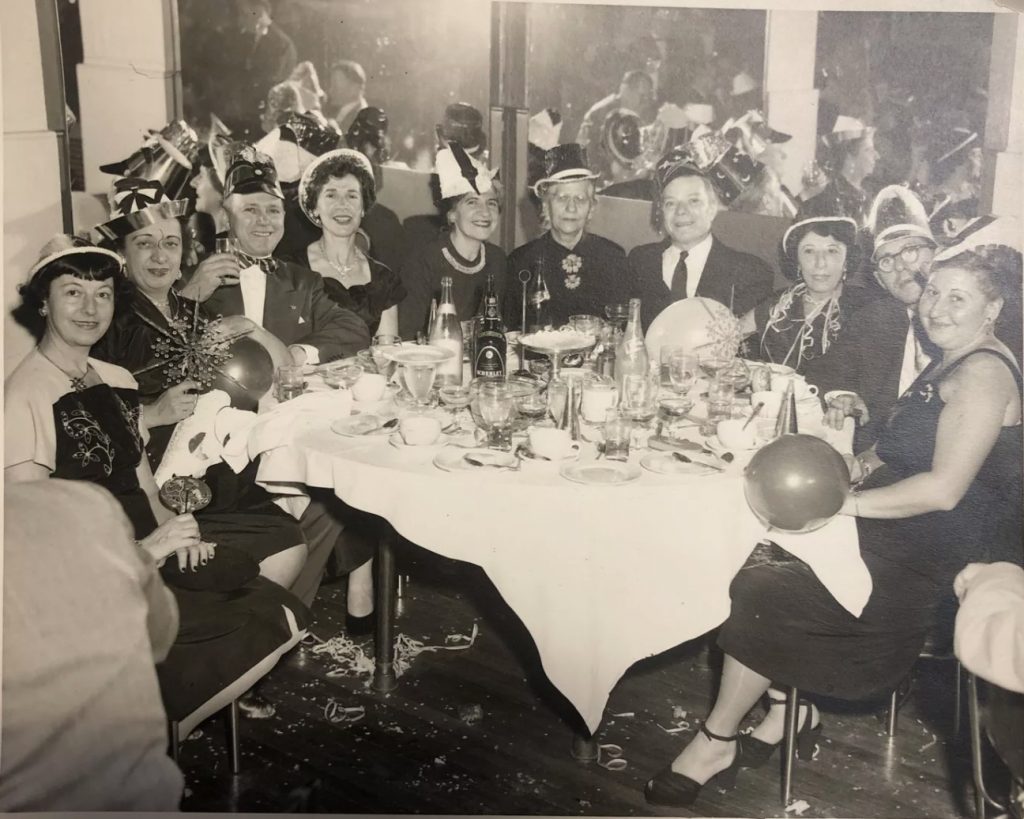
(43, 310)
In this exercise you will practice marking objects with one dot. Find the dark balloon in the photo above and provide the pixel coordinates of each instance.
(797, 483)
(247, 376)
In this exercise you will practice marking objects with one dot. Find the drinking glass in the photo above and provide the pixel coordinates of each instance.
(736, 373)
(617, 314)
(496, 411)
(720, 400)
(455, 397)
(712, 363)
(558, 396)
(338, 375)
(639, 396)
(224, 244)
(419, 380)
(599, 395)
(379, 348)
(682, 370)
(617, 430)
(291, 383)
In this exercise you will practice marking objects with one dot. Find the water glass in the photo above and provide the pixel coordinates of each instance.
(379, 348)
(617, 431)
(682, 370)
(224, 244)
(639, 396)
(341, 375)
(720, 401)
(496, 411)
(419, 380)
(588, 325)
(558, 396)
(290, 381)
(599, 395)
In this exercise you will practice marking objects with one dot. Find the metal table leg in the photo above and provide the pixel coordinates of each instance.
(384, 678)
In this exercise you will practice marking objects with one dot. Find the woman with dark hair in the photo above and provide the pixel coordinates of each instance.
(470, 203)
(799, 324)
(335, 193)
(70, 416)
(851, 159)
(940, 488)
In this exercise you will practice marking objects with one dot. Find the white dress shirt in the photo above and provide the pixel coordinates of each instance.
(914, 357)
(696, 258)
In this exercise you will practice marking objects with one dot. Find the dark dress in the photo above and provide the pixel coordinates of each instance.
(222, 634)
(786, 626)
(242, 512)
(423, 270)
(787, 341)
(581, 281)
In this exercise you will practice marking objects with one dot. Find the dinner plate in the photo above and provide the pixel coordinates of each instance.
(418, 354)
(528, 455)
(453, 459)
(664, 464)
(740, 456)
(396, 440)
(365, 424)
(601, 472)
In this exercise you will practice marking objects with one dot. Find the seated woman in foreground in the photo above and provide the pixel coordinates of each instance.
(944, 474)
(799, 324)
(74, 417)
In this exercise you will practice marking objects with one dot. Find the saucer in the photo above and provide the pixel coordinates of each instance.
(664, 464)
(364, 424)
(396, 440)
(526, 453)
(453, 459)
(603, 472)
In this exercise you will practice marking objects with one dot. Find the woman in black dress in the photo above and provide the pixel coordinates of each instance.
(152, 240)
(944, 476)
(583, 272)
(797, 325)
(470, 203)
(335, 193)
(74, 417)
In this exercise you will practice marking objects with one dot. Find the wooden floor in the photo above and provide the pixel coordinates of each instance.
(482, 731)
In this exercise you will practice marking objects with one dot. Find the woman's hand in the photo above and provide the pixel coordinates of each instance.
(173, 405)
(179, 535)
(216, 270)
(842, 406)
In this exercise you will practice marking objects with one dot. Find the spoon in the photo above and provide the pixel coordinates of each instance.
(679, 456)
(386, 425)
(477, 462)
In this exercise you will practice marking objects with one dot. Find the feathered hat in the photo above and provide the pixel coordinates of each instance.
(459, 173)
(136, 203)
(897, 214)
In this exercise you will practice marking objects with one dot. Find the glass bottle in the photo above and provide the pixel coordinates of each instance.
(631, 353)
(446, 334)
(490, 348)
(538, 308)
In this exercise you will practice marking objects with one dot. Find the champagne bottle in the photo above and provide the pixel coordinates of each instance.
(446, 334)
(490, 349)
(631, 355)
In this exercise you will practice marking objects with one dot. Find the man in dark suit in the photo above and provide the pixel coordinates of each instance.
(690, 261)
(287, 300)
(868, 368)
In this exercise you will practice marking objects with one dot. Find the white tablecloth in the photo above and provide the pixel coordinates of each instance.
(602, 576)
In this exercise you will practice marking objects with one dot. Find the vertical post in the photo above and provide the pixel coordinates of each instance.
(789, 744)
(792, 100)
(509, 110)
(384, 677)
(53, 88)
(1004, 122)
(234, 751)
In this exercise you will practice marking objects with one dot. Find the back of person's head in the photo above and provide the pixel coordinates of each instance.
(351, 70)
(636, 80)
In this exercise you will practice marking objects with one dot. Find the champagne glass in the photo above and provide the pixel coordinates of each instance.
(341, 375)
(379, 349)
(712, 363)
(456, 397)
(496, 410)
(682, 371)
(617, 314)
(419, 380)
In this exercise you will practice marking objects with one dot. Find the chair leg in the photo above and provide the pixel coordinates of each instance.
(958, 693)
(174, 741)
(789, 743)
(981, 795)
(233, 749)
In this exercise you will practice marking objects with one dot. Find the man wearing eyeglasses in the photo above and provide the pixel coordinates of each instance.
(868, 368)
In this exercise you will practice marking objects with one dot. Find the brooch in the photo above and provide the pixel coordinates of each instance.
(571, 265)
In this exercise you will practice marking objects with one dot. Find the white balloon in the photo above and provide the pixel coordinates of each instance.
(697, 324)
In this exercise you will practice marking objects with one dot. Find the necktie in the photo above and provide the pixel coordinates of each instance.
(268, 264)
(679, 278)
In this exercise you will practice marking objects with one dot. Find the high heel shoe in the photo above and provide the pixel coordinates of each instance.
(756, 751)
(670, 789)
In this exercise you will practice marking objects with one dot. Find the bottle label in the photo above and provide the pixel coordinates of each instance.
(490, 355)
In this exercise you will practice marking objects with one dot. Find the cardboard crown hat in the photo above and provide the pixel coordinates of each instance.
(295, 142)
(896, 214)
(464, 124)
(564, 163)
(730, 169)
(136, 203)
(167, 156)
(459, 173)
(252, 171)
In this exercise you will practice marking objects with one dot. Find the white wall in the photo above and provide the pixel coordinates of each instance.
(31, 176)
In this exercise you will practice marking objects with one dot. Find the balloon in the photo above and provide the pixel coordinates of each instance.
(699, 325)
(247, 375)
(797, 483)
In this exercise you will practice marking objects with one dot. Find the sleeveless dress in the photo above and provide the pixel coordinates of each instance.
(95, 436)
(786, 626)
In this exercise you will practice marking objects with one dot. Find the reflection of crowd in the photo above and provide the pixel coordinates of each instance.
(301, 266)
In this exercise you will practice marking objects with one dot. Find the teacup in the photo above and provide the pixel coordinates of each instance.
(419, 430)
(772, 403)
(732, 434)
(801, 389)
(550, 443)
(369, 387)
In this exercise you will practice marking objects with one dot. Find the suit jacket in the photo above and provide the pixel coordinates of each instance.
(867, 360)
(725, 268)
(298, 311)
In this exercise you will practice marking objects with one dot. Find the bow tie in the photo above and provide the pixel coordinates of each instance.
(267, 264)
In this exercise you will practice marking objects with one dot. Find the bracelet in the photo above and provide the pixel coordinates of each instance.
(855, 494)
(865, 469)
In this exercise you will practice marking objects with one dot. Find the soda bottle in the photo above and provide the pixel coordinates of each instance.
(446, 334)
(631, 354)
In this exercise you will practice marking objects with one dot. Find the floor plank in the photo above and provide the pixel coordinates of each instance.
(415, 752)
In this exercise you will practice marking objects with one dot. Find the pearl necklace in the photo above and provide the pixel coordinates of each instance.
(476, 267)
(343, 269)
(77, 381)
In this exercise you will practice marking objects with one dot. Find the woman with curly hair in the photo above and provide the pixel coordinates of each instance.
(335, 193)
(800, 323)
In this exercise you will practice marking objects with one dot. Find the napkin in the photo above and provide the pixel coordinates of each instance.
(280, 426)
(194, 445)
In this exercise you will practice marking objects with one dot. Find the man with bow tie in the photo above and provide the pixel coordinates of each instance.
(287, 300)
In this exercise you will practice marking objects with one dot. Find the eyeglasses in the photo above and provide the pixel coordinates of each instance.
(908, 255)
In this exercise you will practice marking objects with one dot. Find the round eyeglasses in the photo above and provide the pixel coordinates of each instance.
(908, 255)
